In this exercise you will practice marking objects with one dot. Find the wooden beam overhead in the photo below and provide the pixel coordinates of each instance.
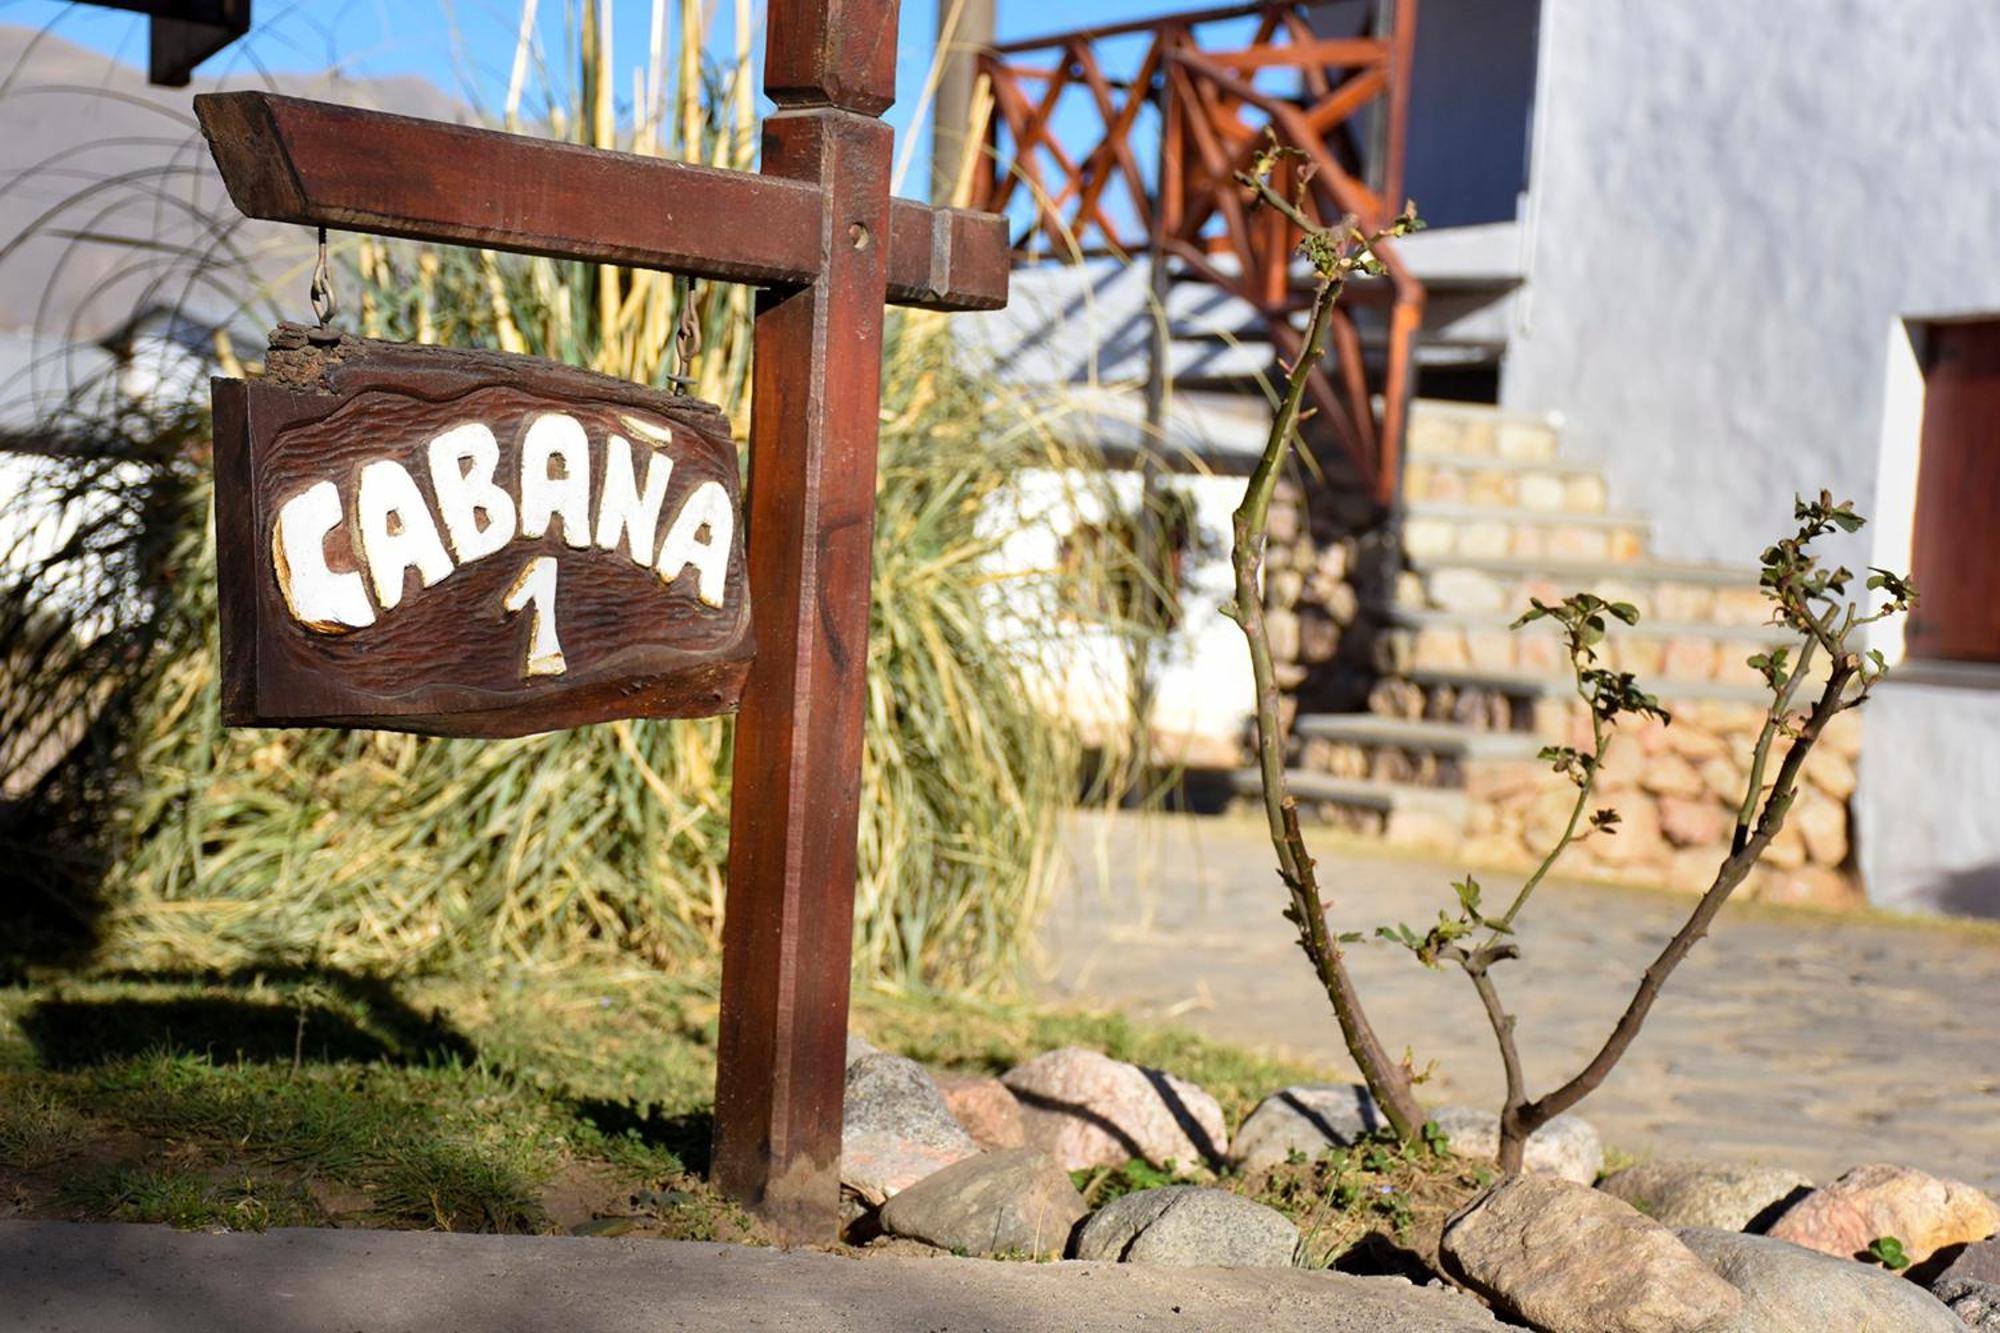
(183, 33)
(286, 159)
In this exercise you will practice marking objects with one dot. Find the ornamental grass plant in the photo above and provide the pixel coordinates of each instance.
(137, 832)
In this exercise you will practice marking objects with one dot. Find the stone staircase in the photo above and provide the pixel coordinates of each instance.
(1444, 758)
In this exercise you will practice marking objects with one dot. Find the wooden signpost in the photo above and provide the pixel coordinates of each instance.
(818, 232)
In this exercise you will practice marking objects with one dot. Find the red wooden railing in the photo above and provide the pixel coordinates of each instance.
(1217, 102)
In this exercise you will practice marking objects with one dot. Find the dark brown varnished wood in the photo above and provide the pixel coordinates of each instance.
(1952, 558)
(448, 660)
(286, 159)
(787, 930)
(183, 33)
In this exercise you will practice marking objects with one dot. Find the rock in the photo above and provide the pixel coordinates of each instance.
(1823, 824)
(1922, 1211)
(1639, 839)
(1569, 1259)
(1789, 1289)
(1671, 775)
(1085, 1109)
(1189, 1226)
(1694, 822)
(1977, 1262)
(1724, 779)
(1976, 1304)
(1567, 1146)
(1308, 1118)
(1694, 1193)
(896, 1128)
(1832, 772)
(987, 1110)
(1012, 1202)
(857, 1046)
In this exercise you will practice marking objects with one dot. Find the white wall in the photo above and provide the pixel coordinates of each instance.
(1732, 203)
(1930, 771)
(1203, 689)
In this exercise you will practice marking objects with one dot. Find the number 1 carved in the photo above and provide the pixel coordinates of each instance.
(535, 589)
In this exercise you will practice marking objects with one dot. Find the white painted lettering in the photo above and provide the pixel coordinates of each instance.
(319, 599)
(470, 511)
(706, 509)
(553, 436)
(397, 534)
(465, 493)
(623, 511)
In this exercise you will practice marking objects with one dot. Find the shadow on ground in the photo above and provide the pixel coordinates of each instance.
(1974, 892)
(286, 1015)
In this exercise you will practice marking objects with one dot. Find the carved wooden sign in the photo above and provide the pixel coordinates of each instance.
(470, 544)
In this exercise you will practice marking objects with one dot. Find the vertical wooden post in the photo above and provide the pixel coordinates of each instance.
(959, 46)
(830, 66)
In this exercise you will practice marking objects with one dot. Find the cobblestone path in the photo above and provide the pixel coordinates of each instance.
(1815, 1042)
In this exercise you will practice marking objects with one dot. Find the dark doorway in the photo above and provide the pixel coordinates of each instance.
(1955, 555)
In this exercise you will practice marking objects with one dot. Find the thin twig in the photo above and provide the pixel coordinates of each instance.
(1728, 877)
(1477, 965)
(1387, 1080)
(1599, 743)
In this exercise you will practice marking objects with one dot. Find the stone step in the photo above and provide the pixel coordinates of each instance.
(1439, 532)
(1446, 429)
(1416, 752)
(1396, 812)
(1661, 590)
(1677, 788)
(1368, 729)
(1547, 486)
(1546, 705)
(1663, 654)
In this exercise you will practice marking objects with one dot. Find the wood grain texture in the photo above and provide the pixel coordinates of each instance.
(286, 159)
(833, 53)
(448, 660)
(796, 800)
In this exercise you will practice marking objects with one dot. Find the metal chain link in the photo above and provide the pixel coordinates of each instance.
(322, 285)
(687, 339)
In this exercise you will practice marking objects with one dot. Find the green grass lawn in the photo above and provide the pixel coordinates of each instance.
(536, 1101)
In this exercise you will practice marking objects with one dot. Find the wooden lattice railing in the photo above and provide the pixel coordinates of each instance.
(1093, 165)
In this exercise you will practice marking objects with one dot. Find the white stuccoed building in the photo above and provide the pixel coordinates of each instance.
(1741, 230)
(1729, 253)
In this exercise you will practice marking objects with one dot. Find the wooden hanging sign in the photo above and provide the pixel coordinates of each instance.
(466, 543)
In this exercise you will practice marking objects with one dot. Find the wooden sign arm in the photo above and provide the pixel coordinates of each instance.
(285, 159)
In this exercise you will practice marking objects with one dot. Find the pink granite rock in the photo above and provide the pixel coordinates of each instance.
(896, 1128)
(1922, 1211)
(1085, 1109)
(986, 1108)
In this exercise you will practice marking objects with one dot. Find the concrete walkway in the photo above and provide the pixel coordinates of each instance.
(1806, 1041)
(59, 1277)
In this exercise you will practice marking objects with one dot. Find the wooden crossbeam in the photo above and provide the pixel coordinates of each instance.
(286, 159)
(1338, 53)
(183, 33)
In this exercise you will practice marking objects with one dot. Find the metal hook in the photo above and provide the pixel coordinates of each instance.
(322, 285)
(687, 339)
